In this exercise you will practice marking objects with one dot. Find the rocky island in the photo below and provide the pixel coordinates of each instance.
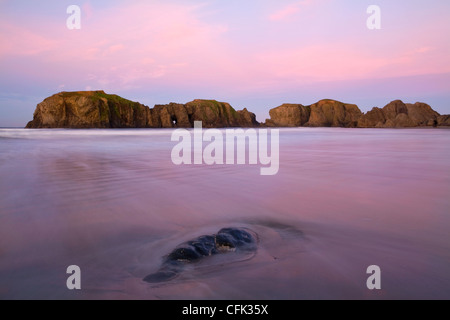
(325, 113)
(97, 109)
(331, 113)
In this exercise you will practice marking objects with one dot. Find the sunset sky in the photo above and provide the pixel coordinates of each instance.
(251, 53)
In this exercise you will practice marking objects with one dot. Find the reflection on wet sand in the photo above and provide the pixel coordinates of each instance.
(113, 203)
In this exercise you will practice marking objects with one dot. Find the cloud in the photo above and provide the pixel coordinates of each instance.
(21, 41)
(343, 61)
(182, 46)
(288, 10)
(121, 45)
(87, 10)
(424, 49)
(114, 48)
(316, 63)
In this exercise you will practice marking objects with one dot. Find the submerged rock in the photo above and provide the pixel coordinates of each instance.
(225, 241)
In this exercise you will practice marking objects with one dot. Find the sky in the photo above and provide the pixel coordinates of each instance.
(256, 54)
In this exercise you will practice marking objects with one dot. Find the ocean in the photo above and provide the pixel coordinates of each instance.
(113, 203)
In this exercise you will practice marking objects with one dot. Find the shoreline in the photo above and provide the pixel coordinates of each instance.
(260, 127)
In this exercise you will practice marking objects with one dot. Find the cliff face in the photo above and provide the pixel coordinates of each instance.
(92, 109)
(213, 114)
(443, 121)
(325, 113)
(289, 115)
(96, 109)
(399, 115)
(422, 114)
(331, 113)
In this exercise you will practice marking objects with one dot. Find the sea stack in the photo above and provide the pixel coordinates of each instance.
(397, 114)
(324, 113)
(97, 109)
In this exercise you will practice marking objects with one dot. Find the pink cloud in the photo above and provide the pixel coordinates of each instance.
(166, 44)
(21, 41)
(288, 10)
(87, 9)
(424, 49)
(114, 48)
(318, 63)
(343, 61)
(123, 45)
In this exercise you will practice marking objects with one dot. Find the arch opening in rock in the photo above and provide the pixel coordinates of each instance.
(174, 121)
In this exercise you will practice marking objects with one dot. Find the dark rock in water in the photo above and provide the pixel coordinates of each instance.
(225, 241)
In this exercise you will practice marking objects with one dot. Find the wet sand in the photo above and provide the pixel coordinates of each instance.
(113, 203)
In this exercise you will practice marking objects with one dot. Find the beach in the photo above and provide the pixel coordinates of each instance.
(113, 203)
